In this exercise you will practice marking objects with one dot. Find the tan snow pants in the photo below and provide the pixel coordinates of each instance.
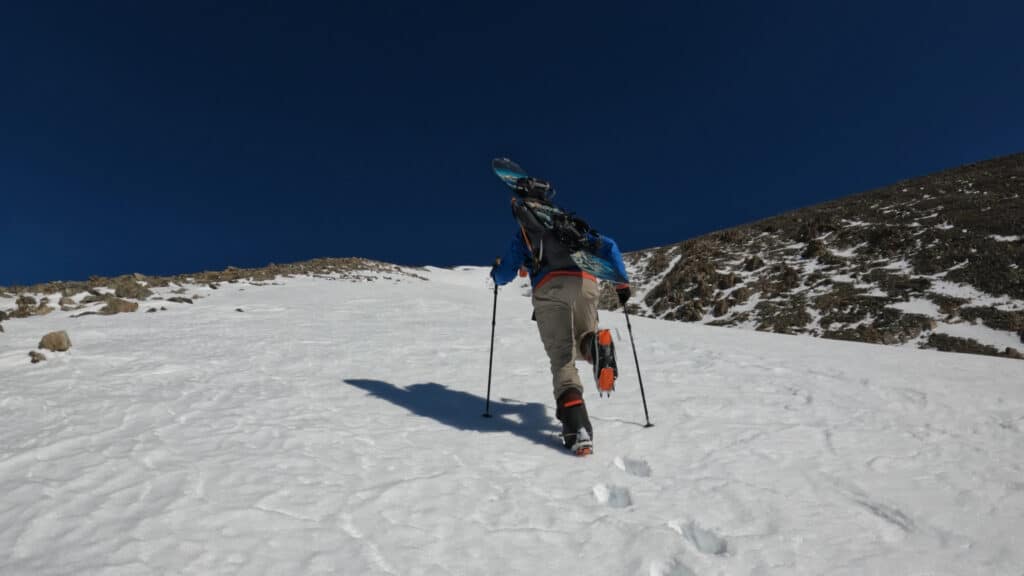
(566, 310)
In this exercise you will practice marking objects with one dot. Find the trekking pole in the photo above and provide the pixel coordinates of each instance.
(638, 376)
(490, 363)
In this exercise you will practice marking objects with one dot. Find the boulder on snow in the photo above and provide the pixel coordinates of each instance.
(117, 306)
(127, 287)
(36, 357)
(26, 306)
(180, 300)
(55, 342)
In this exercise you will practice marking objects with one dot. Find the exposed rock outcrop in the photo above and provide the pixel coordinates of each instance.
(890, 266)
(118, 306)
(55, 342)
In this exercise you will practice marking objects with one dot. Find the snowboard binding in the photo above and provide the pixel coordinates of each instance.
(530, 187)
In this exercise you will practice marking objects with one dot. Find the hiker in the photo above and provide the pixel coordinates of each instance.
(565, 298)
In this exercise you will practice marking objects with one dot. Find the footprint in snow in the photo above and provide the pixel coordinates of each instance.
(673, 567)
(613, 496)
(633, 467)
(702, 539)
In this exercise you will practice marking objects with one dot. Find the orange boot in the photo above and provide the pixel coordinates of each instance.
(602, 355)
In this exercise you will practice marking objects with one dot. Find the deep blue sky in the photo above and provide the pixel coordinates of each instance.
(165, 137)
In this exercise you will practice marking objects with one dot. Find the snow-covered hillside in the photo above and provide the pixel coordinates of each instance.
(319, 426)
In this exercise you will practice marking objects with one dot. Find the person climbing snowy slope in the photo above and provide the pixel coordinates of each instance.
(565, 305)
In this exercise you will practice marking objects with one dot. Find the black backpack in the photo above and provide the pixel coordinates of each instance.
(571, 231)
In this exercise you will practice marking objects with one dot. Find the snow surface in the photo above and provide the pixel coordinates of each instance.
(1000, 339)
(334, 427)
(918, 306)
(973, 295)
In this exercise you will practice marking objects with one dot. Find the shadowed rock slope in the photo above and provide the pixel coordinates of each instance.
(930, 262)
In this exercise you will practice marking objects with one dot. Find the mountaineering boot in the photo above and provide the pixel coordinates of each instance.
(583, 446)
(600, 351)
(577, 433)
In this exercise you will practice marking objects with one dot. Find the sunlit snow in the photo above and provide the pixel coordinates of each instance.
(334, 427)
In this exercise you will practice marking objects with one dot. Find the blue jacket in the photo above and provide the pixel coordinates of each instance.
(518, 255)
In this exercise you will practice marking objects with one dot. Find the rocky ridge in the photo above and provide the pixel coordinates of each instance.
(122, 294)
(931, 262)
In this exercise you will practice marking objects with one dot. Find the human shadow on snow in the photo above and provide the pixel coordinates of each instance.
(464, 411)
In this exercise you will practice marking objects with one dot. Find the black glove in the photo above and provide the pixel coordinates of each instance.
(623, 292)
(494, 267)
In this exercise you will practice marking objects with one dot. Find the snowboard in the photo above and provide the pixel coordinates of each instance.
(508, 171)
(511, 173)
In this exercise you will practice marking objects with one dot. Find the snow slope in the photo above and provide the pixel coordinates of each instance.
(334, 427)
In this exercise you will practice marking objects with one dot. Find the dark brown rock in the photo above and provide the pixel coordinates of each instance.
(36, 357)
(180, 300)
(787, 278)
(721, 308)
(26, 306)
(948, 305)
(814, 249)
(753, 263)
(789, 317)
(995, 318)
(947, 343)
(741, 294)
(127, 287)
(689, 312)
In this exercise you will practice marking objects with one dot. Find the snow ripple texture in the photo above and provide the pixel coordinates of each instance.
(334, 427)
